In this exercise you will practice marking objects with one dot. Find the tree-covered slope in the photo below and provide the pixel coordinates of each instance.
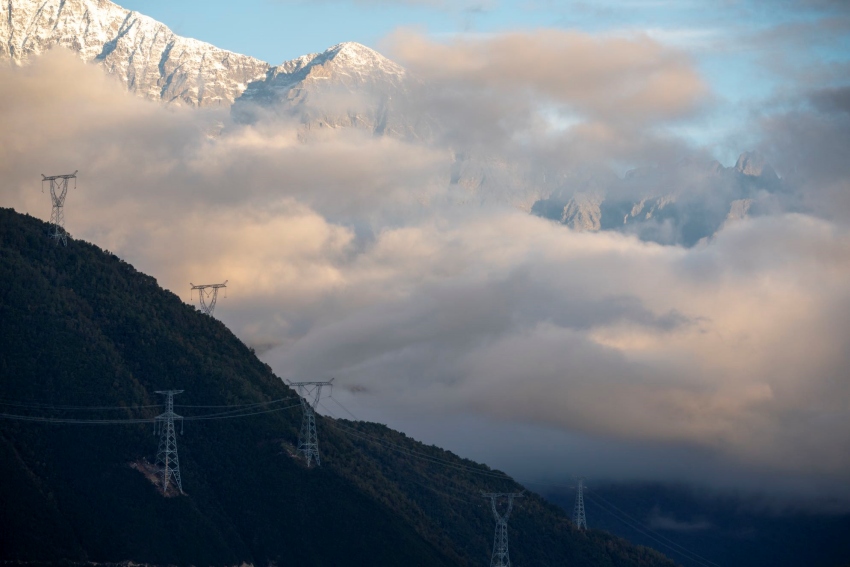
(81, 328)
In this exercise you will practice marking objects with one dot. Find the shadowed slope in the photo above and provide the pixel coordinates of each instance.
(80, 327)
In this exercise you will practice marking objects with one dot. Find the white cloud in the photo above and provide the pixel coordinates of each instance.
(345, 259)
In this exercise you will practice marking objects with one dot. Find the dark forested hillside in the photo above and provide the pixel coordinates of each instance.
(82, 329)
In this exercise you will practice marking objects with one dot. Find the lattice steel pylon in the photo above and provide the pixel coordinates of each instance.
(308, 441)
(208, 291)
(167, 463)
(578, 512)
(57, 216)
(500, 557)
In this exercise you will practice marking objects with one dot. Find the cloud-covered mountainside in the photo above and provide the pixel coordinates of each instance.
(689, 322)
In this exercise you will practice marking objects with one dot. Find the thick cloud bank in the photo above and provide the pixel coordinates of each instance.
(552, 351)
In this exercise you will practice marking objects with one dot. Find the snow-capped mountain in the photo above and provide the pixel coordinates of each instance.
(143, 53)
(348, 85)
(352, 86)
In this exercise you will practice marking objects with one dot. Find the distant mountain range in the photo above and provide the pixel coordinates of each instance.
(352, 86)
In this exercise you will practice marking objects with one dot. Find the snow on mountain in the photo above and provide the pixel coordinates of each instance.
(352, 86)
(147, 56)
(348, 85)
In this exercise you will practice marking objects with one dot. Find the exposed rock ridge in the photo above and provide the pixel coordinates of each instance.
(348, 85)
(143, 53)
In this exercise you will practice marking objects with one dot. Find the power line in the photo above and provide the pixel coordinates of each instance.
(132, 421)
(441, 493)
(234, 405)
(202, 417)
(437, 460)
(41, 419)
(36, 405)
(432, 489)
(656, 537)
(238, 411)
(411, 452)
(342, 406)
(671, 542)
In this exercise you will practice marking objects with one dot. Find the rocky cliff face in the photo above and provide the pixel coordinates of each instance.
(143, 53)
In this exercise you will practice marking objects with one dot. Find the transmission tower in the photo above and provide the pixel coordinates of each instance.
(208, 293)
(500, 556)
(166, 458)
(308, 442)
(58, 191)
(578, 512)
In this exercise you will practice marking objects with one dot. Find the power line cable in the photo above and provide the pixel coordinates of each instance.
(343, 407)
(238, 411)
(418, 454)
(42, 419)
(131, 421)
(653, 531)
(216, 416)
(327, 410)
(702, 560)
(681, 551)
(235, 405)
(36, 405)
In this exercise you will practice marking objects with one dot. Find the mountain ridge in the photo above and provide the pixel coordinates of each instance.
(84, 329)
(143, 53)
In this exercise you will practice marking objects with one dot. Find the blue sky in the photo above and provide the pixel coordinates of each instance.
(277, 30)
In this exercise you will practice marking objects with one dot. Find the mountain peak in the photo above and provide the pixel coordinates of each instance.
(353, 48)
(348, 76)
(754, 164)
(357, 56)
